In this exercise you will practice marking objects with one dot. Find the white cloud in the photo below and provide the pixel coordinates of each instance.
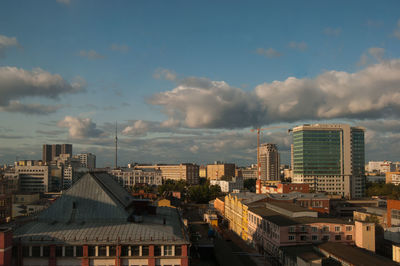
(123, 48)
(6, 42)
(91, 54)
(167, 74)
(370, 93)
(17, 83)
(301, 46)
(79, 128)
(139, 128)
(332, 32)
(270, 52)
(194, 148)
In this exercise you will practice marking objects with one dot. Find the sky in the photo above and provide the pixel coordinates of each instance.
(186, 81)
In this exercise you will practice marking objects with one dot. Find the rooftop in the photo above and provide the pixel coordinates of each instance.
(354, 256)
(97, 209)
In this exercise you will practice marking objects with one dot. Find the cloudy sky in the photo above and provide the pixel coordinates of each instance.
(187, 80)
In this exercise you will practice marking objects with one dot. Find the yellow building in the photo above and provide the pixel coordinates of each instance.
(236, 211)
(218, 170)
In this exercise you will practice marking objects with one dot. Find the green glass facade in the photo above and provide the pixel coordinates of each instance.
(358, 152)
(317, 152)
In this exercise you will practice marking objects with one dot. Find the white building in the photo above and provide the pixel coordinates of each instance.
(229, 186)
(381, 166)
(129, 177)
(33, 179)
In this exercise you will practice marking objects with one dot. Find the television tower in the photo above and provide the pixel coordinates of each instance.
(116, 146)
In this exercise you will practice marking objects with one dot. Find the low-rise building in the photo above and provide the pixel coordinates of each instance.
(393, 177)
(229, 186)
(314, 201)
(129, 177)
(285, 188)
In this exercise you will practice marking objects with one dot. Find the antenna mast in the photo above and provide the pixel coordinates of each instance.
(116, 146)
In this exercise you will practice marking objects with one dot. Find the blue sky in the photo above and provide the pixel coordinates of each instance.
(187, 79)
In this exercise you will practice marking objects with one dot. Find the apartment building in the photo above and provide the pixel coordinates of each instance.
(269, 162)
(187, 172)
(33, 178)
(217, 170)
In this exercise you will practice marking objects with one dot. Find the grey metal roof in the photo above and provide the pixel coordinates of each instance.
(94, 211)
(151, 230)
(94, 197)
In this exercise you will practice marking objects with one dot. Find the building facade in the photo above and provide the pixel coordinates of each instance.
(270, 162)
(229, 186)
(129, 177)
(50, 151)
(217, 170)
(87, 160)
(187, 172)
(330, 158)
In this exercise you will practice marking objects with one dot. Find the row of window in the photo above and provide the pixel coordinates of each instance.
(99, 251)
(314, 229)
(315, 237)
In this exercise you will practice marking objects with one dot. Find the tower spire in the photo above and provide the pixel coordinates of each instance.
(116, 146)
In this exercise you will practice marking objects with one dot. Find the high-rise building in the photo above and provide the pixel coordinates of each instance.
(269, 160)
(330, 158)
(51, 151)
(88, 160)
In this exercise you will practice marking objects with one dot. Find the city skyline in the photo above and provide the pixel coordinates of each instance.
(187, 81)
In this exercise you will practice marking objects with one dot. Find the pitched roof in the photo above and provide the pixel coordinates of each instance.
(94, 197)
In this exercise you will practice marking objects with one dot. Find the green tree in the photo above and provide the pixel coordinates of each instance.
(250, 184)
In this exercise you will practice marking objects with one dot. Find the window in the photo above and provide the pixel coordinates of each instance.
(135, 251)
(349, 237)
(36, 251)
(337, 228)
(25, 251)
(349, 228)
(325, 228)
(69, 251)
(46, 251)
(145, 250)
(314, 237)
(303, 229)
(111, 251)
(303, 238)
(167, 250)
(124, 251)
(178, 250)
(314, 229)
(157, 250)
(291, 237)
(292, 229)
(102, 251)
(78, 251)
(368, 228)
(325, 238)
(58, 251)
(91, 251)
(338, 237)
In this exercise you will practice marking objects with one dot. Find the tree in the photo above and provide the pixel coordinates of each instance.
(250, 184)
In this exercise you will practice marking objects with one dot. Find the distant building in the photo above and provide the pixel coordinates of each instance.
(87, 160)
(330, 158)
(250, 172)
(203, 171)
(381, 167)
(229, 186)
(270, 162)
(393, 177)
(129, 177)
(285, 188)
(217, 170)
(50, 151)
(187, 172)
(34, 179)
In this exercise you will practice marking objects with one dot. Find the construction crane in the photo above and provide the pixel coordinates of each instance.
(258, 146)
